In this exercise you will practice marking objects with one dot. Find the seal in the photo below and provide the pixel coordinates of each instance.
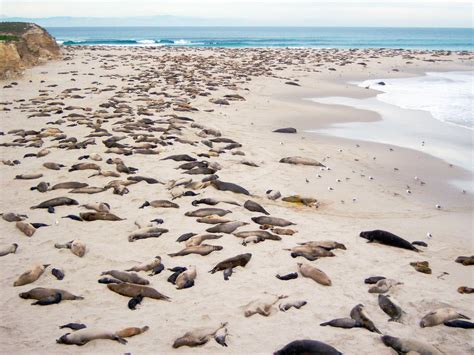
(384, 285)
(325, 244)
(27, 228)
(11, 249)
(309, 252)
(227, 228)
(359, 315)
(132, 331)
(254, 207)
(57, 273)
(307, 347)
(238, 260)
(212, 202)
(147, 265)
(257, 233)
(204, 212)
(73, 326)
(69, 185)
(13, 217)
(77, 247)
(55, 202)
(197, 337)
(285, 130)
(85, 166)
(373, 279)
(314, 274)
(31, 275)
(99, 216)
(465, 289)
(457, 323)
(465, 260)
(295, 304)
(440, 316)
(39, 293)
(229, 186)
(390, 308)
(346, 323)
(301, 161)
(134, 302)
(198, 239)
(180, 157)
(387, 238)
(160, 204)
(129, 277)
(98, 207)
(203, 249)
(108, 280)
(48, 300)
(147, 232)
(274, 221)
(132, 290)
(403, 346)
(186, 278)
(213, 219)
(263, 306)
(28, 176)
(83, 336)
(41, 187)
(287, 277)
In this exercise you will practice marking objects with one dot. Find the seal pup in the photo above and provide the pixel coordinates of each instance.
(69, 185)
(204, 212)
(134, 302)
(83, 336)
(465, 289)
(403, 346)
(76, 246)
(295, 304)
(48, 300)
(373, 279)
(39, 293)
(133, 290)
(254, 207)
(99, 216)
(457, 323)
(238, 260)
(262, 306)
(11, 249)
(290, 276)
(390, 308)
(229, 186)
(213, 219)
(387, 238)
(346, 323)
(73, 326)
(203, 249)
(197, 337)
(57, 273)
(178, 270)
(273, 221)
(257, 233)
(307, 347)
(440, 316)
(314, 274)
(186, 278)
(31, 275)
(359, 315)
(129, 277)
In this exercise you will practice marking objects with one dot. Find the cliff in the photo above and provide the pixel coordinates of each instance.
(23, 45)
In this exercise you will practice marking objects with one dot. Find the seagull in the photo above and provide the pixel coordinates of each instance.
(428, 235)
(408, 192)
(354, 199)
(438, 206)
(330, 188)
(338, 180)
(371, 178)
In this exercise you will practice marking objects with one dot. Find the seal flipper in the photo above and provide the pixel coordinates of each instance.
(120, 340)
(51, 209)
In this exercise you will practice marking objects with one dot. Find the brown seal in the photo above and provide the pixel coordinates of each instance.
(31, 275)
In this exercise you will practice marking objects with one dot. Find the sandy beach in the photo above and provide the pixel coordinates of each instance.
(140, 93)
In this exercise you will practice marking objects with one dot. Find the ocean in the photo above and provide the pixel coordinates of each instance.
(308, 37)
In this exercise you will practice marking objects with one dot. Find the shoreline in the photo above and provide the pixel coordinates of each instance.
(366, 193)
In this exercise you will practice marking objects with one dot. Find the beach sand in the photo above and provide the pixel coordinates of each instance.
(140, 74)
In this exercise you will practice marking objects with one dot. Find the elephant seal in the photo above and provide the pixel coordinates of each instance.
(301, 161)
(274, 221)
(390, 308)
(295, 304)
(129, 277)
(57, 273)
(309, 252)
(212, 202)
(263, 306)
(77, 247)
(28, 176)
(197, 337)
(457, 323)
(325, 244)
(387, 238)
(383, 285)
(346, 323)
(49, 300)
(39, 293)
(83, 336)
(132, 290)
(108, 280)
(147, 265)
(285, 130)
(227, 228)
(229, 186)
(147, 232)
(439, 316)
(85, 166)
(465, 289)
(258, 233)
(178, 270)
(314, 274)
(287, 277)
(13, 217)
(359, 315)
(254, 207)
(31, 275)
(465, 260)
(307, 347)
(98, 207)
(55, 202)
(203, 212)
(180, 157)
(186, 278)
(238, 260)
(213, 219)
(198, 239)
(403, 346)
(132, 331)
(160, 204)
(11, 249)
(41, 187)
(53, 166)
(203, 249)
(99, 216)
(69, 185)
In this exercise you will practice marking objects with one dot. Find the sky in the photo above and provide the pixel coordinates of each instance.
(386, 13)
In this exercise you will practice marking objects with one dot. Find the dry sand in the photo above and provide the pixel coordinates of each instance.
(381, 203)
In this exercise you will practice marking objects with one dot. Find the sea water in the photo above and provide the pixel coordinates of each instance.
(308, 37)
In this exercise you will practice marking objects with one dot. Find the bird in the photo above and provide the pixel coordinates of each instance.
(438, 206)
(429, 235)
